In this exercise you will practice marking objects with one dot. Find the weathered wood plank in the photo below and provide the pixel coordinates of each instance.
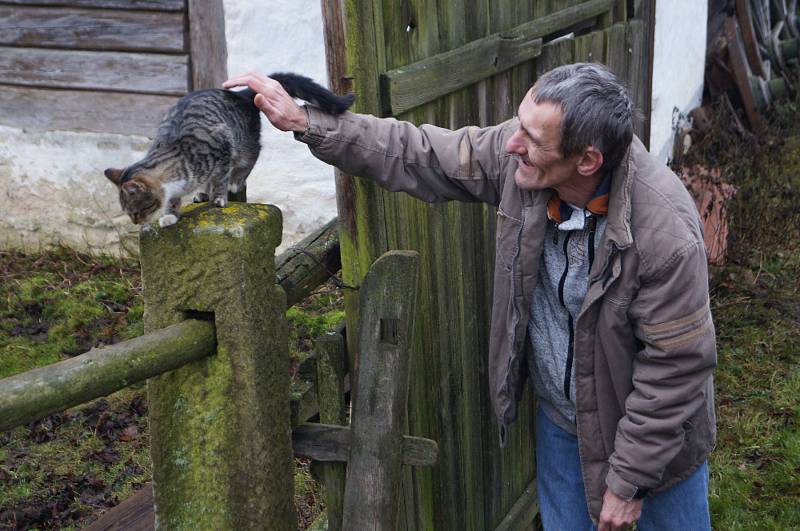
(134, 514)
(637, 75)
(88, 29)
(522, 513)
(102, 112)
(303, 267)
(388, 302)
(154, 5)
(617, 50)
(324, 442)
(590, 48)
(555, 54)
(207, 43)
(101, 371)
(114, 71)
(331, 367)
(562, 19)
(411, 86)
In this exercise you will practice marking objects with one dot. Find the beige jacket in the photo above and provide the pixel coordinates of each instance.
(644, 341)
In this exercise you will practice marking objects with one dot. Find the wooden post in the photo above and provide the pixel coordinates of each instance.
(388, 300)
(220, 427)
(331, 369)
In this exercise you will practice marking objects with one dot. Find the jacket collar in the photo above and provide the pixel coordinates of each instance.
(618, 230)
(558, 210)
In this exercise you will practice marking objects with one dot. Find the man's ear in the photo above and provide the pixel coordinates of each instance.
(113, 175)
(591, 161)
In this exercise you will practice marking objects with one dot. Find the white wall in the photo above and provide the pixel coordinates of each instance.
(287, 36)
(52, 188)
(678, 66)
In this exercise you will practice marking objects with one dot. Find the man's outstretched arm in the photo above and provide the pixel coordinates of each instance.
(428, 162)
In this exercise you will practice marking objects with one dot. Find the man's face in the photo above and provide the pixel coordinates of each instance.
(537, 144)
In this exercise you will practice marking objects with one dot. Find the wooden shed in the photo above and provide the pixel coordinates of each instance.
(109, 66)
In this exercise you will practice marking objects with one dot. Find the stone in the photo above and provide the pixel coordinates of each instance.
(220, 427)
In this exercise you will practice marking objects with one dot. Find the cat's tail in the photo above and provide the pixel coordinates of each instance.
(306, 89)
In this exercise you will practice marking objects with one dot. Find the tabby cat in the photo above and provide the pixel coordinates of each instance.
(207, 144)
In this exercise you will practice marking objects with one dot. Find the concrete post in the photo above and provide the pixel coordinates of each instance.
(220, 427)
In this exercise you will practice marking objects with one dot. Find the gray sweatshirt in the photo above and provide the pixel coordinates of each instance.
(557, 299)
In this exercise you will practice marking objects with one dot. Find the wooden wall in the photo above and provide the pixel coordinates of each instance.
(454, 63)
(110, 66)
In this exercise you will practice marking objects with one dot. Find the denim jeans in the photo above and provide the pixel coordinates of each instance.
(562, 502)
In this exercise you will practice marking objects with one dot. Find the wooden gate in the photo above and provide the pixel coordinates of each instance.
(455, 63)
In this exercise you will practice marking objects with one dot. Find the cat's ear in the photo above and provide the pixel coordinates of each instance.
(133, 188)
(113, 175)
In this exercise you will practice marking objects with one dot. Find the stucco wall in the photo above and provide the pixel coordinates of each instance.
(52, 188)
(678, 66)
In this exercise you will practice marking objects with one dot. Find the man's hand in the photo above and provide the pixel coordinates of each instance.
(618, 514)
(279, 108)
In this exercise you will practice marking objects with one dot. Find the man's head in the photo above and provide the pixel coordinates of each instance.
(576, 122)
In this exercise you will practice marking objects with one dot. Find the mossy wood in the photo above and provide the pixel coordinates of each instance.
(101, 371)
(331, 444)
(475, 485)
(388, 303)
(303, 267)
(220, 432)
(331, 367)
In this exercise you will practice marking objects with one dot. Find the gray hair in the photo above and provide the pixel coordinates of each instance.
(596, 109)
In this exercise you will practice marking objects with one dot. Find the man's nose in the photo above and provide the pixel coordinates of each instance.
(513, 145)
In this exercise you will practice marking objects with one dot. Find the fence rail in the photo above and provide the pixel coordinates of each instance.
(101, 371)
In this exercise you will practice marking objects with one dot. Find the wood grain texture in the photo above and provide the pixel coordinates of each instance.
(154, 5)
(301, 268)
(331, 368)
(329, 443)
(113, 71)
(475, 484)
(388, 304)
(410, 86)
(207, 44)
(522, 513)
(134, 514)
(33, 109)
(89, 29)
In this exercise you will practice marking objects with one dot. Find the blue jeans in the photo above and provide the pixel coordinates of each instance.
(562, 501)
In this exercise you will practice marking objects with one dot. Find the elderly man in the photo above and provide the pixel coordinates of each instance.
(600, 291)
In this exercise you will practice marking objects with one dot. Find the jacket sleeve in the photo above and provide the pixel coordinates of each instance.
(671, 374)
(428, 162)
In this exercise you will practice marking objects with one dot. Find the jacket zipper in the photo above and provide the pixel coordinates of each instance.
(592, 227)
(568, 369)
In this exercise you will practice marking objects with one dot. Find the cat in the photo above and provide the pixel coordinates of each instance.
(207, 144)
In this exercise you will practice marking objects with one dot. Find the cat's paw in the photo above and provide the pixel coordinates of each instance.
(221, 201)
(200, 197)
(167, 220)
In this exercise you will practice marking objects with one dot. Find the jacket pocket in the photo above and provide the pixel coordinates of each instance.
(507, 244)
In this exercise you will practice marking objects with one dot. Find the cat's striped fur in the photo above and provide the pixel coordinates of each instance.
(207, 144)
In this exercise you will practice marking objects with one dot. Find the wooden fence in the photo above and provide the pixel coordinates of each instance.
(215, 355)
(455, 63)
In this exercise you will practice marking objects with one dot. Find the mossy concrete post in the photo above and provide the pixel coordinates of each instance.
(220, 427)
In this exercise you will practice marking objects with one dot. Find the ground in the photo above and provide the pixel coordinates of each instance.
(62, 472)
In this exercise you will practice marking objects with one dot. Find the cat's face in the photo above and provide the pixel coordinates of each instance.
(140, 196)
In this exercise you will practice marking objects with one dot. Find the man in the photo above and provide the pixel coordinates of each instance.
(601, 287)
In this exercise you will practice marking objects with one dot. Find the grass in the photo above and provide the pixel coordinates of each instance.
(64, 471)
(755, 469)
